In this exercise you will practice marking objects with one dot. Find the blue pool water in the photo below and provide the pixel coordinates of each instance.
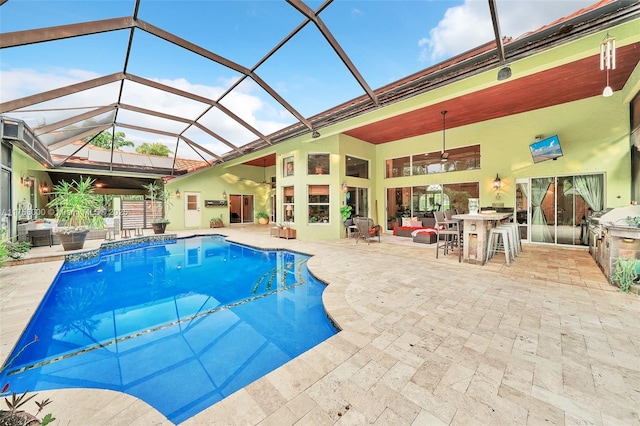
(178, 324)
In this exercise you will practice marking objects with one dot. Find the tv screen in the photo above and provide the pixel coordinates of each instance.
(546, 149)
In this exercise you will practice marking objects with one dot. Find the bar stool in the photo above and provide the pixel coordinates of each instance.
(450, 231)
(498, 241)
(514, 235)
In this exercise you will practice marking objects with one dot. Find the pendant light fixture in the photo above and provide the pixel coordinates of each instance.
(444, 155)
(608, 60)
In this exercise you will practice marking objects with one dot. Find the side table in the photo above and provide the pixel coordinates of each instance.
(288, 233)
(40, 237)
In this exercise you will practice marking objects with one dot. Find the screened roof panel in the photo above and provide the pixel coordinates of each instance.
(156, 99)
(144, 120)
(78, 129)
(155, 58)
(27, 15)
(241, 31)
(304, 84)
(258, 108)
(227, 127)
(58, 63)
(295, 59)
(205, 140)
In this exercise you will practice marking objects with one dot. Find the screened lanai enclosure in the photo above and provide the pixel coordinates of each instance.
(214, 80)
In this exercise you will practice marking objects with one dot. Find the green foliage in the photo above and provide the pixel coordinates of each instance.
(103, 140)
(262, 214)
(11, 249)
(76, 204)
(345, 211)
(154, 149)
(625, 273)
(216, 218)
(14, 416)
(158, 195)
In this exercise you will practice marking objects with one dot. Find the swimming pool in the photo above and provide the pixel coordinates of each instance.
(179, 324)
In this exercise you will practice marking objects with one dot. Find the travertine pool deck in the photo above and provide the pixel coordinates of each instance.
(423, 342)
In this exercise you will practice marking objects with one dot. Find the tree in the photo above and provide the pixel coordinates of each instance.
(154, 149)
(103, 140)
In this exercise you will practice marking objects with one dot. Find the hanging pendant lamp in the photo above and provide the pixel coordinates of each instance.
(444, 155)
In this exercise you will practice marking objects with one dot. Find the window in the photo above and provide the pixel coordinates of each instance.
(288, 204)
(287, 168)
(318, 203)
(357, 167)
(399, 167)
(464, 158)
(318, 164)
(424, 200)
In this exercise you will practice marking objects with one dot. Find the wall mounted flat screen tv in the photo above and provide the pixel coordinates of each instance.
(546, 149)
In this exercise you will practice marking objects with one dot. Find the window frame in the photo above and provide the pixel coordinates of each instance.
(310, 204)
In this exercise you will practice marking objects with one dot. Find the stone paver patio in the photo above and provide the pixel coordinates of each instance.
(423, 342)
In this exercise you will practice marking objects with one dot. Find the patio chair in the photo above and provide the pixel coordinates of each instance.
(366, 229)
(449, 235)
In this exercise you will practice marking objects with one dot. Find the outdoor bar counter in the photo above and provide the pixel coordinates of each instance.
(475, 234)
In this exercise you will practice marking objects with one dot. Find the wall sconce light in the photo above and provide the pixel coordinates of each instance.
(344, 188)
(44, 188)
(224, 195)
(26, 180)
(497, 184)
(178, 193)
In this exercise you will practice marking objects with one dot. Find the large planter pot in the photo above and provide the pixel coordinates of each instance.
(159, 228)
(263, 220)
(73, 240)
(216, 224)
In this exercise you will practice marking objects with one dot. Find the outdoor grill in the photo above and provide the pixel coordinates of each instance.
(611, 235)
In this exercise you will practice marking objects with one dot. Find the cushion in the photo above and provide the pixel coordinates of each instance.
(415, 224)
(406, 221)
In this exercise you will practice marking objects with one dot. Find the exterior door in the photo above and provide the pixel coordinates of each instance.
(192, 214)
(240, 208)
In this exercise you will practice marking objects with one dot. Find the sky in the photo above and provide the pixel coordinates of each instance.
(385, 39)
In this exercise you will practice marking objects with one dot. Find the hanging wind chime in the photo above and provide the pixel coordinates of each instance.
(608, 60)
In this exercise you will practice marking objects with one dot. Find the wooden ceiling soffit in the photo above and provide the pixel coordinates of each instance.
(567, 83)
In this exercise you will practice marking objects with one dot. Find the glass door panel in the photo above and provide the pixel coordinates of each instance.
(522, 207)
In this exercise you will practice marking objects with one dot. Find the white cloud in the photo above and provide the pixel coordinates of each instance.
(267, 117)
(469, 25)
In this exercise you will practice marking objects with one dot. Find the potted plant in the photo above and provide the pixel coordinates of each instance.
(160, 203)
(76, 207)
(216, 222)
(263, 217)
(345, 211)
(626, 272)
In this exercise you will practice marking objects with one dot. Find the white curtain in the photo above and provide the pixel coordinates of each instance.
(590, 189)
(539, 229)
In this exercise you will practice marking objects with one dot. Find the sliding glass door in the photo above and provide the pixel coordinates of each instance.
(559, 207)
